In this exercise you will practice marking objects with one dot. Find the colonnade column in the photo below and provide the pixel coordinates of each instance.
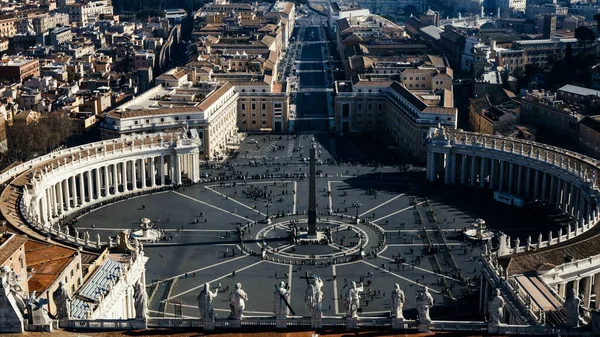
(152, 173)
(162, 170)
(177, 169)
(492, 173)
(473, 170)
(81, 188)
(134, 174)
(552, 193)
(124, 176)
(143, 171)
(482, 172)
(115, 179)
(60, 197)
(73, 191)
(501, 183)
(558, 192)
(510, 177)
(520, 180)
(544, 188)
(463, 171)
(430, 167)
(44, 215)
(597, 290)
(98, 185)
(67, 194)
(587, 291)
(89, 183)
(528, 182)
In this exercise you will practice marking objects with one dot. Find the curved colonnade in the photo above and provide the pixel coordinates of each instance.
(524, 169)
(47, 189)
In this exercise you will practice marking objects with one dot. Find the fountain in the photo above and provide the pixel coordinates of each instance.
(146, 232)
(479, 232)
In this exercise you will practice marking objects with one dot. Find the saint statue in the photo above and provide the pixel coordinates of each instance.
(353, 300)
(281, 298)
(237, 302)
(205, 299)
(397, 302)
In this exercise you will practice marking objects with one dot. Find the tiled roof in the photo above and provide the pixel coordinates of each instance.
(9, 244)
(48, 262)
(214, 96)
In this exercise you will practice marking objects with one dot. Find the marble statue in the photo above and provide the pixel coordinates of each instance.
(424, 303)
(205, 299)
(237, 302)
(281, 299)
(62, 300)
(140, 301)
(313, 297)
(397, 302)
(496, 308)
(353, 300)
(572, 307)
(11, 281)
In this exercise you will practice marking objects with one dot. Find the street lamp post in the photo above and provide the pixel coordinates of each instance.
(356, 205)
(268, 204)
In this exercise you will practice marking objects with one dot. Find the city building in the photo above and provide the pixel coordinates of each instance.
(8, 27)
(211, 111)
(399, 116)
(82, 13)
(18, 68)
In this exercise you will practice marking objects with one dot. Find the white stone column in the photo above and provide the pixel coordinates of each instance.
(134, 174)
(482, 174)
(115, 179)
(473, 170)
(587, 291)
(67, 191)
(552, 192)
(597, 290)
(162, 170)
(81, 189)
(576, 286)
(177, 169)
(60, 197)
(492, 173)
(124, 176)
(90, 187)
(501, 184)
(98, 184)
(172, 168)
(582, 206)
(528, 182)
(544, 186)
(152, 173)
(44, 212)
(73, 191)
(48, 204)
(143, 171)
(520, 180)
(558, 192)
(536, 185)
(510, 177)
(463, 171)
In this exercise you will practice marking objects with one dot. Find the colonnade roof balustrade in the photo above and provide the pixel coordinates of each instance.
(578, 242)
(586, 168)
(59, 163)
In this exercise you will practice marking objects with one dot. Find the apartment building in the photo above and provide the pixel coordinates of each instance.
(399, 116)
(12, 255)
(545, 110)
(262, 107)
(18, 68)
(82, 13)
(46, 22)
(60, 35)
(8, 27)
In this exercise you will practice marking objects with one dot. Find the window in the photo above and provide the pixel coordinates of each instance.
(264, 90)
(243, 106)
(422, 85)
(264, 122)
(176, 118)
(278, 105)
(253, 106)
(187, 117)
(162, 119)
(423, 78)
(411, 79)
(264, 115)
(253, 122)
(253, 114)
(243, 115)
(380, 107)
(370, 106)
(253, 90)
(359, 106)
(264, 106)
(136, 122)
(147, 121)
(72, 273)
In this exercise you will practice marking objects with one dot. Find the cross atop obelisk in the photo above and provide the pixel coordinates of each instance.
(312, 193)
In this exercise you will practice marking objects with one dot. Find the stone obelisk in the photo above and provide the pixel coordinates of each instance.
(312, 193)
